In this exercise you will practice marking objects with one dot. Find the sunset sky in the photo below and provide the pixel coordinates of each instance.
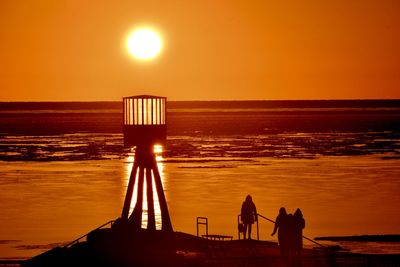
(54, 50)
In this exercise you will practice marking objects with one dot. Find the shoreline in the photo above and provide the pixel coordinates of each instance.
(362, 238)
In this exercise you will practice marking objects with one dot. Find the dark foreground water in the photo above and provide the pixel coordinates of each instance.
(64, 171)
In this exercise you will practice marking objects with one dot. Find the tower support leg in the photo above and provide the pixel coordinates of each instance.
(129, 192)
(151, 218)
(145, 167)
(165, 219)
(136, 216)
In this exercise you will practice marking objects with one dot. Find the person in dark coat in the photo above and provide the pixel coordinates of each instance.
(298, 226)
(248, 215)
(290, 240)
(282, 226)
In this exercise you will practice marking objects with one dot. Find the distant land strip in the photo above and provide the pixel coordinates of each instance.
(227, 104)
(362, 238)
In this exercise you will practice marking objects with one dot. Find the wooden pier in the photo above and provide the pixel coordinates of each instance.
(105, 249)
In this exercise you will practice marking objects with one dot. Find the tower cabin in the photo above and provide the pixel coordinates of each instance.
(144, 120)
(144, 125)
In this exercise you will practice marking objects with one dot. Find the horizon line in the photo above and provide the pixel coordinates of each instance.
(198, 100)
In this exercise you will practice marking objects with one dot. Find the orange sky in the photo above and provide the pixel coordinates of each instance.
(74, 50)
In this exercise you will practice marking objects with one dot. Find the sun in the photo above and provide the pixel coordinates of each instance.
(144, 43)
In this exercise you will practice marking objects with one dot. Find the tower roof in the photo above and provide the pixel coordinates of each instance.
(144, 96)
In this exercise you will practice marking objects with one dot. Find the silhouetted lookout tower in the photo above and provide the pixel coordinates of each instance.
(145, 126)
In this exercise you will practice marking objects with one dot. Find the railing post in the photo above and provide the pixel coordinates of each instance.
(197, 227)
(238, 221)
(205, 222)
(258, 235)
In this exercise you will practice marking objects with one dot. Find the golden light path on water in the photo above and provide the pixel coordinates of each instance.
(131, 158)
(45, 203)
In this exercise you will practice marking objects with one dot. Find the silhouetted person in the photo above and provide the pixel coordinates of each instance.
(248, 215)
(291, 240)
(298, 226)
(282, 226)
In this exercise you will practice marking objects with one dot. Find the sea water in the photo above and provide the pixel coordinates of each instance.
(64, 170)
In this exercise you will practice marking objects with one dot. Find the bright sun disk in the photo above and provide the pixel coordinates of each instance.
(144, 44)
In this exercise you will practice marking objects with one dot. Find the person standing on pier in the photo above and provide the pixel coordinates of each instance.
(282, 226)
(248, 215)
(298, 226)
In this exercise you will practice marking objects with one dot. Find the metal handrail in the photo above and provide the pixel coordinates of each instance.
(79, 238)
(315, 242)
(259, 215)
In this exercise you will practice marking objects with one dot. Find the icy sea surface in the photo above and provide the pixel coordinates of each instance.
(64, 170)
